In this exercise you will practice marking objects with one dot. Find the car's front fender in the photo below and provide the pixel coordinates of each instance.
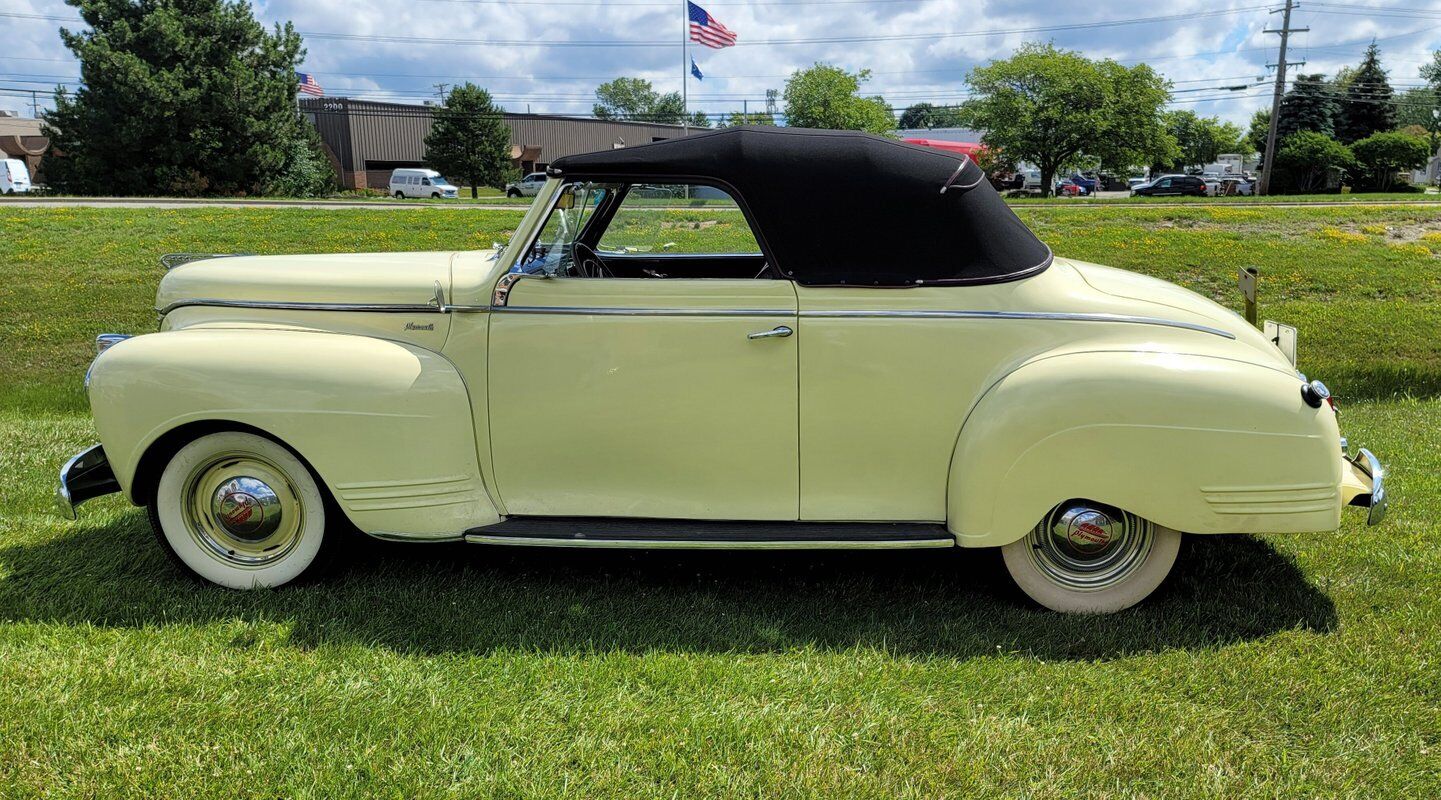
(1202, 444)
(386, 425)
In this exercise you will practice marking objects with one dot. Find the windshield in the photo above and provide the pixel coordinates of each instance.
(553, 250)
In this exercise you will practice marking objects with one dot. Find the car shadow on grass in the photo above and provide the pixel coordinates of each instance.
(476, 599)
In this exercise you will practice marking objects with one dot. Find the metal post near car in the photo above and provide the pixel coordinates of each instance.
(1246, 279)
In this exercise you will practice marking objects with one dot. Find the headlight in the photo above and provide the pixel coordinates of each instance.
(103, 342)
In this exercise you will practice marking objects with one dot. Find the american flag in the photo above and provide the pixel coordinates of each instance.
(308, 84)
(707, 30)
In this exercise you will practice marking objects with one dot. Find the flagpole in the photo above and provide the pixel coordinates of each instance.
(685, 66)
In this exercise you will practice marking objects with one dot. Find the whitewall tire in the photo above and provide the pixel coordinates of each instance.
(240, 510)
(1088, 558)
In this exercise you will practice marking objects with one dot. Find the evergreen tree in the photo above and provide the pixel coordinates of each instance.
(469, 140)
(1366, 105)
(1308, 106)
(182, 97)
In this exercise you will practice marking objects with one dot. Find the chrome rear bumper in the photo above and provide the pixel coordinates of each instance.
(1374, 502)
(86, 476)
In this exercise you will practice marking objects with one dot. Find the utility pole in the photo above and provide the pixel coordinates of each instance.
(1270, 155)
(440, 90)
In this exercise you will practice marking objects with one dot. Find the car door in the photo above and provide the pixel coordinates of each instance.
(661, 394)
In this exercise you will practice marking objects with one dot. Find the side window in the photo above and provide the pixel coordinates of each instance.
(1166, 184)
(678, 219)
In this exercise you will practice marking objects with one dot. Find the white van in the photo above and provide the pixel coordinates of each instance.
(420, 183)
(14, 177)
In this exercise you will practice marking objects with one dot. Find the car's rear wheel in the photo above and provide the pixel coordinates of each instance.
(1089, 558)
(240, 510)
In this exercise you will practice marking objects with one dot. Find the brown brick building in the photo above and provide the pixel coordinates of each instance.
(367, 139)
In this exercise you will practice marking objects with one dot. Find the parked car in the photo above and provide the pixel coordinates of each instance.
(588, 386)
(1171, 186)
(1068, 188)
(527, 186)
(1235, 186)
(420, 183)
(1136, 180)
(1087, 183)
(14, 177)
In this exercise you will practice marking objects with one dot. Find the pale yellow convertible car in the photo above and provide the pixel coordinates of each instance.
(753, 338)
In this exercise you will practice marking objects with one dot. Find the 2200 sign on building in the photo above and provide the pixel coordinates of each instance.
(678, 350)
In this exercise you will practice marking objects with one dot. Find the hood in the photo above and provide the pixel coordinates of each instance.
(349, 278)
(1169, 301)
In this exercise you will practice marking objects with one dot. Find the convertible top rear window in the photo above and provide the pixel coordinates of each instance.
(853, 209)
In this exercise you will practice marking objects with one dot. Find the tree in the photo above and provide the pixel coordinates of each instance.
(1258, 131)
(1051, 107)
(737, 118)
(183, 97)
(635, 99)
(926, 115)
(1381, 155)
(1366, 106)
(826, 96)
(1201, 139)
(469, 140)
(1308, 106)
(1307, 160)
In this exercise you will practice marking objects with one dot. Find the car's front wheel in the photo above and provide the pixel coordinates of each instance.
(400, 195)
(1089, 558)
(513, 193)
(240, 510)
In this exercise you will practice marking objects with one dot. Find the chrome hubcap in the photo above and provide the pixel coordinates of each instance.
(1087, 547)
(243, 510)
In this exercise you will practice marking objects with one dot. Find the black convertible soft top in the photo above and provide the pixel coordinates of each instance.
(840, 207)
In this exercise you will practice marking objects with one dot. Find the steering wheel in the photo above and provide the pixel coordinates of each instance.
(587, 263)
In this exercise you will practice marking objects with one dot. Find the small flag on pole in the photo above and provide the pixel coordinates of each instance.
(308, 84)
(707, 30)
(694, 70)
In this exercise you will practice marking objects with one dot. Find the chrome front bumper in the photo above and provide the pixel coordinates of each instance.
(86, 476)
(1374, 501)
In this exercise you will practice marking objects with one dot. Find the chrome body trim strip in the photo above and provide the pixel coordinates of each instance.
(861, 314)
(646, 312)
(702, 544)
(432, 308)
(278, 305)
(1062, 316)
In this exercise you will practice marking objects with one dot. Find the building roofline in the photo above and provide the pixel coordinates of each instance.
(353, 102)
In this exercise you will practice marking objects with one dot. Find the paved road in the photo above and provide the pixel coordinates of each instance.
(399, 205)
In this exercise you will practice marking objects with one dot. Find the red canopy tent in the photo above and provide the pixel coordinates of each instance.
(971, 149)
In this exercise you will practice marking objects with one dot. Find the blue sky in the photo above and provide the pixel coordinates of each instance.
(1206, 45)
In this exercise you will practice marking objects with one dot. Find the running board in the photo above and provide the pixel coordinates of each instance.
(703, 535)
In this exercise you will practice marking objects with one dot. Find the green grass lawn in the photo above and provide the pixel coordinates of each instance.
(1275, 666)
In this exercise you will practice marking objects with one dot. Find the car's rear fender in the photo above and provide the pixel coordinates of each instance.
(386, 425)
(1201, 444)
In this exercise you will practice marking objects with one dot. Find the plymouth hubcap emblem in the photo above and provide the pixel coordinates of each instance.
(1089, 532)
(246, 508)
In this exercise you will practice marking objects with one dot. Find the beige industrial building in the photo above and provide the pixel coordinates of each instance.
(21, 137)
(367, 139)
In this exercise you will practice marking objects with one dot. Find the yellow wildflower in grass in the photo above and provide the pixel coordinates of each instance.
(1374, 230)
(1414, 248)
(1347, 237)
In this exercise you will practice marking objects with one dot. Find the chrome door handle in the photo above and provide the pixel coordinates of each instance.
(778, 332)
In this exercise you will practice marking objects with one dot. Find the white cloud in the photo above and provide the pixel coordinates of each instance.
(1196, 51)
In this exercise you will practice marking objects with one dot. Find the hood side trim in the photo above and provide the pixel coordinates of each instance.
(384, 308)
